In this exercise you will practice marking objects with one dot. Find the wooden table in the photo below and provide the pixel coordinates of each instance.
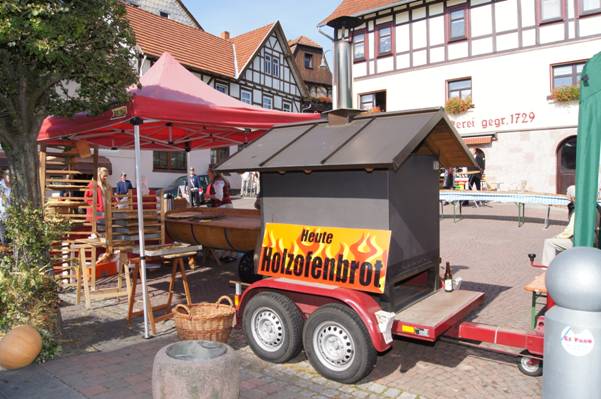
(175, 254)
(539, 290)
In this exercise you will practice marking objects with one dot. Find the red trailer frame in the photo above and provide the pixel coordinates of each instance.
(309, 297)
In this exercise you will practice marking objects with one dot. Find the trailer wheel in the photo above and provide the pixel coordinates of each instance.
(338, 345)
(273, 327)
(530, 366)
(246, 269)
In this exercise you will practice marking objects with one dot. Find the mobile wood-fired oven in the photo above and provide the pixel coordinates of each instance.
(363, 170)
(372, 171)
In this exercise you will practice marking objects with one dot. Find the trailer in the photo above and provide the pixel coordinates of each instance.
(342, 330)
(372, 178)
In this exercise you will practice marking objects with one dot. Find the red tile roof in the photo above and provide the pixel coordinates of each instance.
(248, 43)
(194, 47)
(303, 40)
(190, 46)
(357, 7)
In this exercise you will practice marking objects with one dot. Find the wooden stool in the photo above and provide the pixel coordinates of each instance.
(539, 290)
(177, 263)
(86, 276)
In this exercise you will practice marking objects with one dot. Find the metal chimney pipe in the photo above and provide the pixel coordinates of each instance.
(343, 73)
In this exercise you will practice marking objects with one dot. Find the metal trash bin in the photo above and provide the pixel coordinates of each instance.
(196, 370)
(168, 198)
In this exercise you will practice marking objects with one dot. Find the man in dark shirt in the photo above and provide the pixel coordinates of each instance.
(476, 176)
(193, 187)
(123, 185)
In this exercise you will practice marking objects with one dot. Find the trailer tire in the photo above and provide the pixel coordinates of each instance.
(530, 366)
(338, 345)
(246, 269)
(273, 327)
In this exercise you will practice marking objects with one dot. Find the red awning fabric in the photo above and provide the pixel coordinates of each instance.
(178, 110)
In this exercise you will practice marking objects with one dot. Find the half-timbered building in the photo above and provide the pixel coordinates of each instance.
(255, 67)
(310, 60)
(511, 65)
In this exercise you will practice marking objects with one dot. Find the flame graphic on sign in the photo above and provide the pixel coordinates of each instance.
(315, 247)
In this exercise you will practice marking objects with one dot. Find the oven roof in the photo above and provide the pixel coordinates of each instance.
(369, 141)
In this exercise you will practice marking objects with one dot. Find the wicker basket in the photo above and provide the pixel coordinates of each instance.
(206, 321)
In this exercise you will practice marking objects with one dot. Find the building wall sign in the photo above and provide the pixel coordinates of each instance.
(512, 120)
(344, 257)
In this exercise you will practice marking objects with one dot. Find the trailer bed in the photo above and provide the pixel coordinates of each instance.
(430, 317)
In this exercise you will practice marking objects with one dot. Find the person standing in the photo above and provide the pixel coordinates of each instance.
(123, 185)
(103, 192)
(448, 179)
(5, 192)
(219, 197)
(219, 194)
(193, 187)
(476, 175)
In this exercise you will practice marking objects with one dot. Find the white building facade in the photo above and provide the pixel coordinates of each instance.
(508, 57)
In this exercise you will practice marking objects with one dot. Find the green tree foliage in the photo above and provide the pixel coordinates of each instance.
(57, 57)
(28, 290)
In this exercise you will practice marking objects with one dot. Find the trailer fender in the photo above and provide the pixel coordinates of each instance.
(363, 304)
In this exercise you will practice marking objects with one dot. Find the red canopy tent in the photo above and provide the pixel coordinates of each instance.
(171, 110)
(177, 111)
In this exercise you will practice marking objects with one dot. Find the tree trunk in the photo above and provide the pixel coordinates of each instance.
(21, 149)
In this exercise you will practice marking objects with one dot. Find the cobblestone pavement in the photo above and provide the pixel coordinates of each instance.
(103, 358)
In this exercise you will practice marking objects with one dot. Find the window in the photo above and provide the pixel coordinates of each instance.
(550, 10)
(246, 96)
(457, 23)
(286, 106)
(460, 88)
(384, 40)
(218, 155)
(370, 101)
(275, 67)
(359, 46)
(164, 14)
(222, 87)
(567, 74)
(267, 102)
(267, 64)
(169, 161)
(590, 6)
(308, 61)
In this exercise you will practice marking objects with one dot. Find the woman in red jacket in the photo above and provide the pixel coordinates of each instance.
(103, 189)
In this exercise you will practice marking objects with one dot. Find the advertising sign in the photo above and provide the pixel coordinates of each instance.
(350, 258)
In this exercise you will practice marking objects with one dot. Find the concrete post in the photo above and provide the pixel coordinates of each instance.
(572, 358)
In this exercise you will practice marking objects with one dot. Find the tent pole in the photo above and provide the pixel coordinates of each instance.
(137, 122)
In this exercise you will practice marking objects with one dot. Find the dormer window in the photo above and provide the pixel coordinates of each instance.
(308, 61)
